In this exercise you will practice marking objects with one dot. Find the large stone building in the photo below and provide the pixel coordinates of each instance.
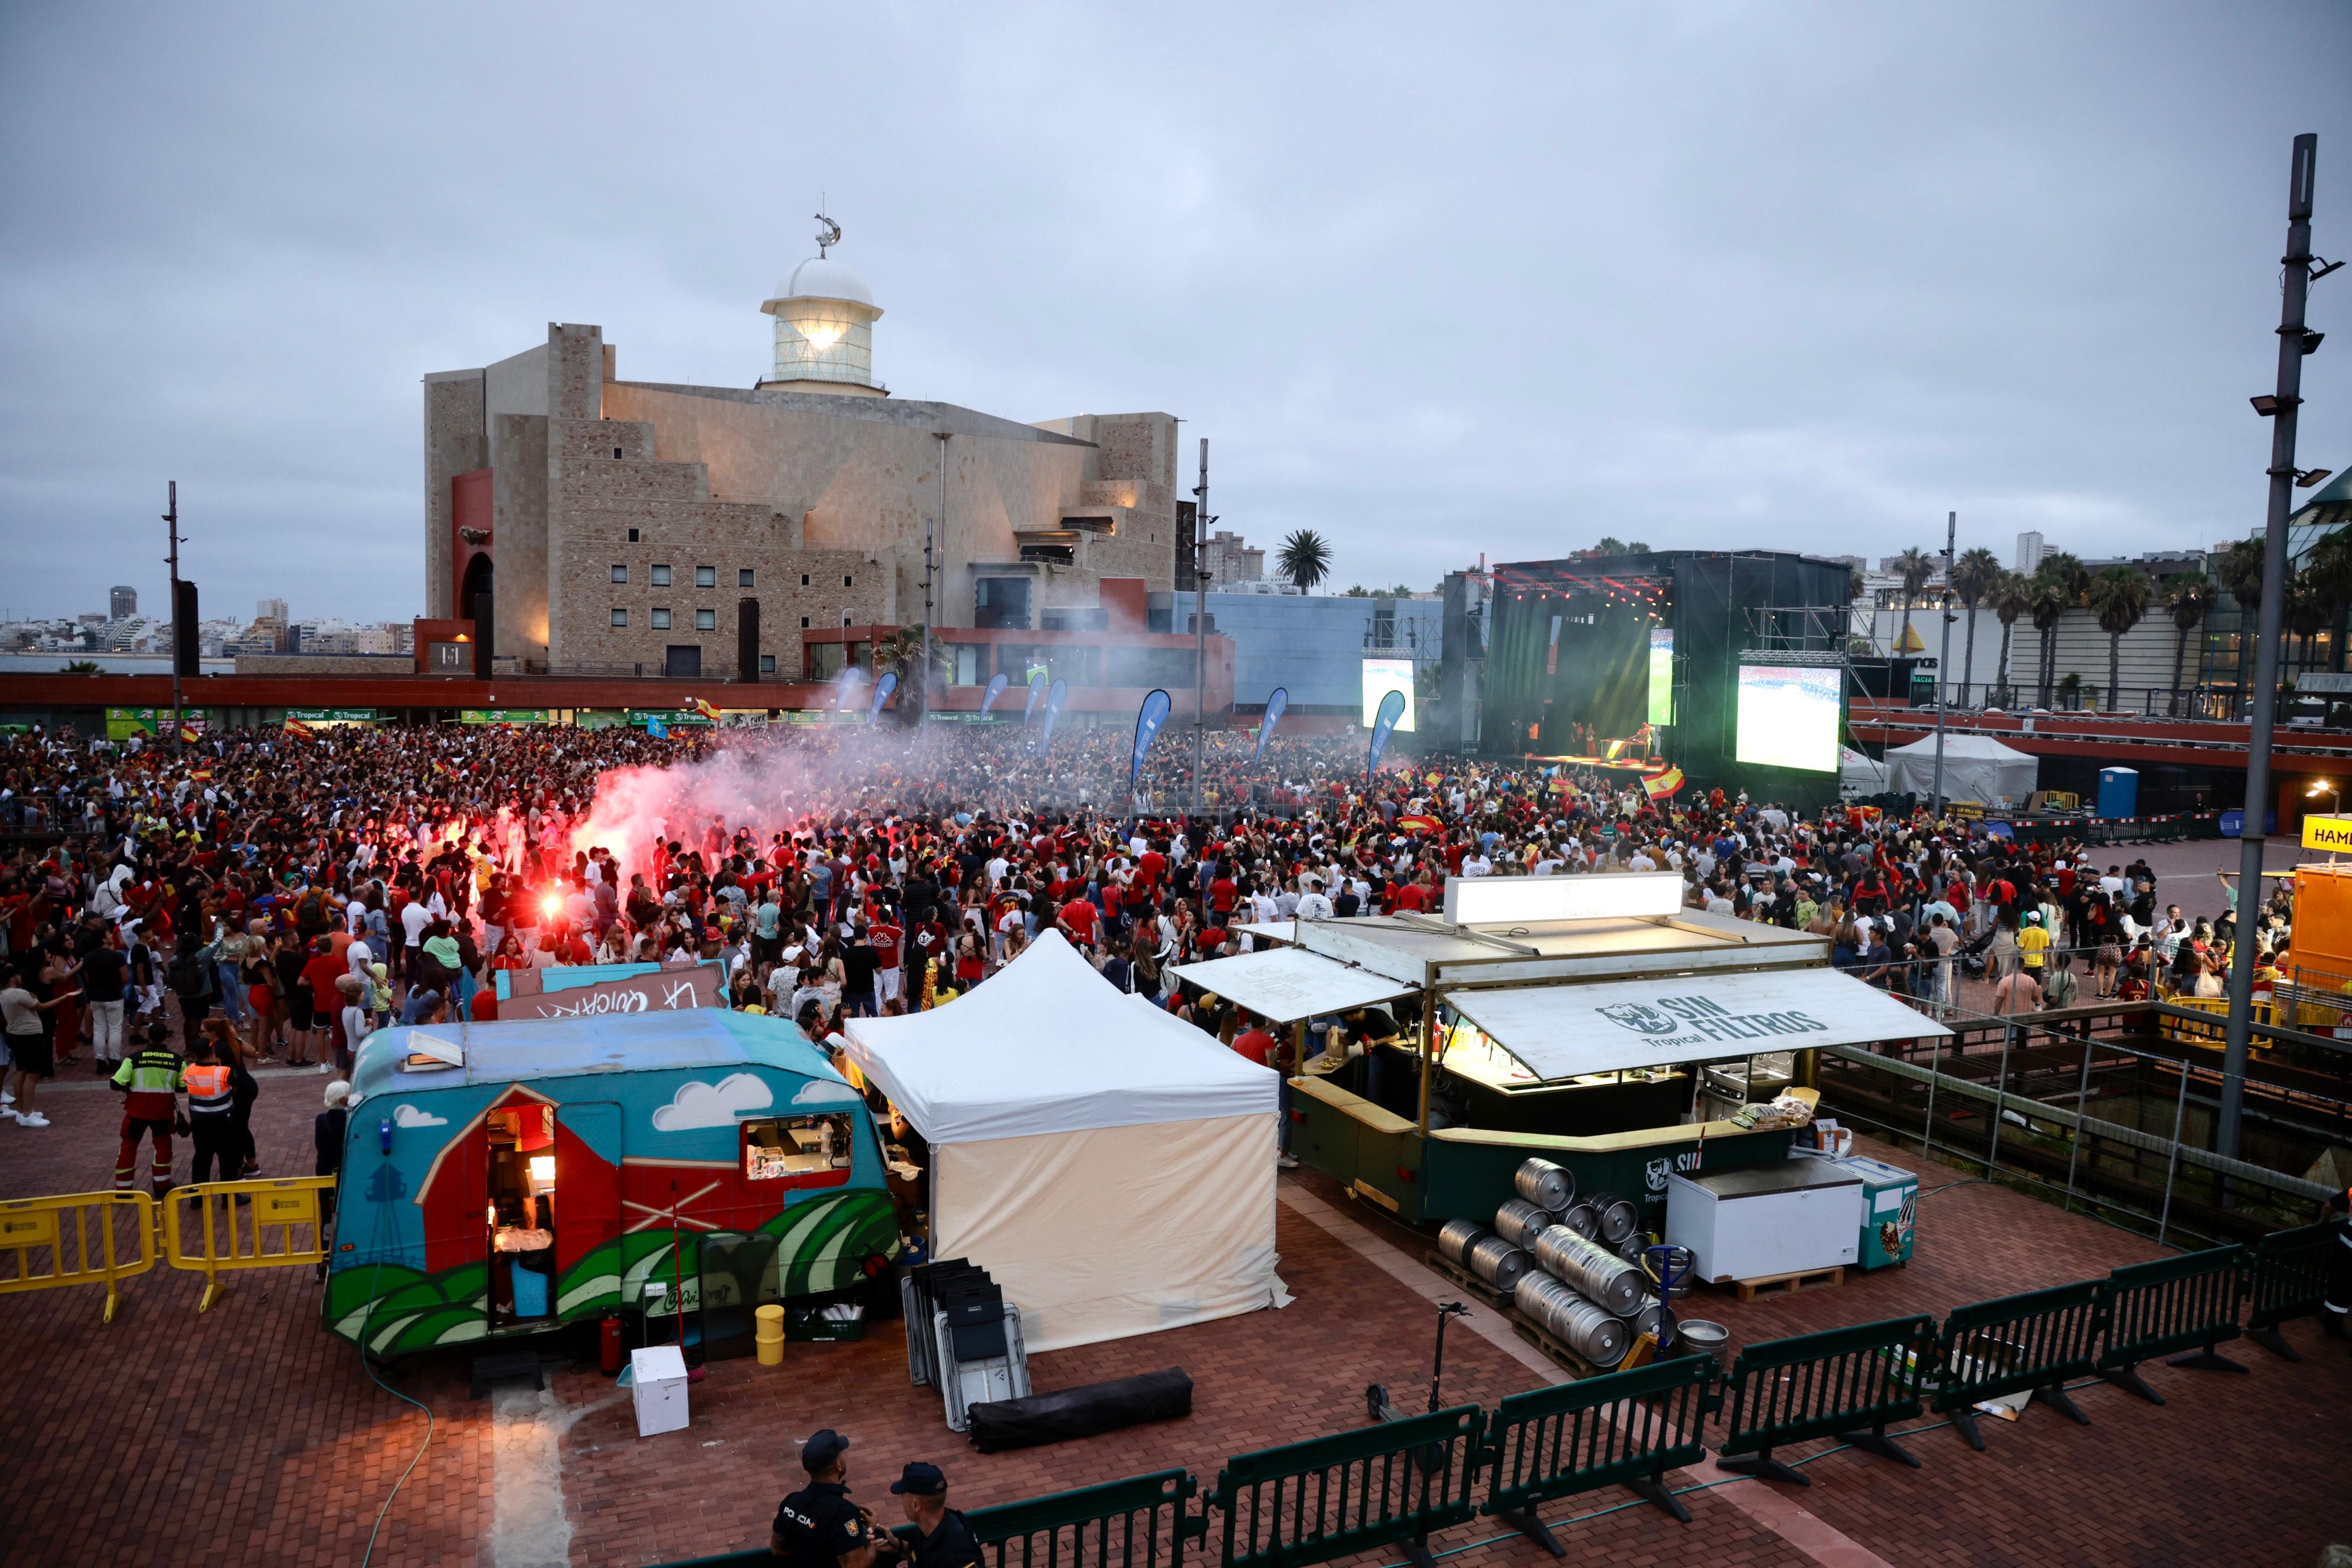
(628, 527)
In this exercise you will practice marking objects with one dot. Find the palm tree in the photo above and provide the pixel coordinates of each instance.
(1609, 545)
(2308, 610)
(2187, 598)
(80, 667)
(2057, 588)
(2012, 596)
(2241, 571)
(1304, 559)
(1915, 566)
(2119, 597)
(902, 652)
(1973, 577)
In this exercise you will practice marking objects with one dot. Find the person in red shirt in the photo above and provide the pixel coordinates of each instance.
(1078, 915)
(1220, 895)
(326, 967)
(1256, 1044)
(1149, 870)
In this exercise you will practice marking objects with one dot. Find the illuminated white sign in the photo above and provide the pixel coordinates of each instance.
(1531, 900)
(1382, 676)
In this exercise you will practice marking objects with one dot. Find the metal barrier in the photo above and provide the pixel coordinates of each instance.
(1846, 1383)
(230, 1236)
(2178, 1307)
(1141, 1522)
(2286, 1278)
(1388, 1485)
(66, 1228)
(2031, 1343)
(1626, 1428)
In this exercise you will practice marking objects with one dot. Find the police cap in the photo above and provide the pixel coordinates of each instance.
(922, 1479)
(820, 1450)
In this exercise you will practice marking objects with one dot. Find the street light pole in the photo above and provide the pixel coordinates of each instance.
(2293, 343)
(172, 559)
(1199, 623)
(931, 568)
(1944, 661)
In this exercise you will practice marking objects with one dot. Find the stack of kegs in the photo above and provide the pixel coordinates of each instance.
(1575, 1281)
(1497, 1260)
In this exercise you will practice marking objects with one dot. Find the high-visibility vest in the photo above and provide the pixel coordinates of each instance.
(208, 1089)
(152, 1079)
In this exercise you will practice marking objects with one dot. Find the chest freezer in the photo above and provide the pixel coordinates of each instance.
(1788, 1218)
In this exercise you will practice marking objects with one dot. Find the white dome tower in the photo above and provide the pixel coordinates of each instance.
(825, 326)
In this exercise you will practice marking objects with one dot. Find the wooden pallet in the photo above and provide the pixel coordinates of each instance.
(1499, 1300)
(1790, 1284)
(1575, 1366)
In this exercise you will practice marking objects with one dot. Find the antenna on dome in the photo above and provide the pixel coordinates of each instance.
(827, 236)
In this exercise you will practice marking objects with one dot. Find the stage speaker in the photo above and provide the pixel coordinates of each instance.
(746, 639)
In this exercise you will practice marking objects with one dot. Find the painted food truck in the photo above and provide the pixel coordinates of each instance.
(505, 1178)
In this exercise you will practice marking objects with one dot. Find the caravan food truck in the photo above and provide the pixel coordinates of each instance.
(501, 1179)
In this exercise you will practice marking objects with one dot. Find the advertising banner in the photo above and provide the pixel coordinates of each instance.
(1274, 704)
(1061, 688)
(1392, 709)
(1148, 720)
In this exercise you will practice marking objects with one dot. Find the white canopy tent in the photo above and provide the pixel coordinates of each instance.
(1561, 1031)
(1284, 985)
(1860, 773)
(1111, 1166)
(1976, 767)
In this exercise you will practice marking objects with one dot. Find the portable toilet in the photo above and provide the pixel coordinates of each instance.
(2119, 792)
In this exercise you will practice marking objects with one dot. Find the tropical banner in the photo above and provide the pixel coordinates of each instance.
(995, 689)
(1148, 720)
(1036, 689)
(1392, 709)
(1052, 711)
(882, 690)
(1274, 704)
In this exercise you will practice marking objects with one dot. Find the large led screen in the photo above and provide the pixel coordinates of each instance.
(1661, 676)
(1382, 676)
(1789, 717)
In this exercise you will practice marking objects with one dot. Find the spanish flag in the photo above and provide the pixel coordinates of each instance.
(441, 767)
(1419, 825)
(190, 735)
(298, 729)
(707, 708)
(1658, 786)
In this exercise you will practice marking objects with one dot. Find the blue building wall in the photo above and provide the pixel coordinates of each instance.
(1313, 645)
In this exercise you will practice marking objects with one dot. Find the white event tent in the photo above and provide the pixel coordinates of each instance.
(1110, 1166)
(1976, 767)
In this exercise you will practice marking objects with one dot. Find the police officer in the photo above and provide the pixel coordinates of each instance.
(942, 1539)
(818, 1526)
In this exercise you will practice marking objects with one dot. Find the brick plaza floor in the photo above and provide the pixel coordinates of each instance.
(247, 1436)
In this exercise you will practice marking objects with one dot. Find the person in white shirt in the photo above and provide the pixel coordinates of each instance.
(1475, 864)
(1641, 860)
(1312, 904)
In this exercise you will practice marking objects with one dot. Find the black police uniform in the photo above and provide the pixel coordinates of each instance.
(951, 1545)
(819, 1525)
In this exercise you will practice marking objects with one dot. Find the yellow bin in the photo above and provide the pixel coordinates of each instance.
(769, 1335)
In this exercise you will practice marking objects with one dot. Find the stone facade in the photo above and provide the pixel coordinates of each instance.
(824, 499)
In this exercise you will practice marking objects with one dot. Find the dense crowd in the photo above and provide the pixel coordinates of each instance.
(260, 898)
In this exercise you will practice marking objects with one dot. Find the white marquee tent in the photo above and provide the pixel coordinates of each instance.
(1860, 773)
(1976, 767)
(1110, 1165)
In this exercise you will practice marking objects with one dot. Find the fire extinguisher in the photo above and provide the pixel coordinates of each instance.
(609, 1355)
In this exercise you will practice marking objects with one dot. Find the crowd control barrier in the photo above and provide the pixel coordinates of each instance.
(80, 1238)
(217, 1227)
(2033, 1344)
(2179, 1308)
(1144, 1521)
(1846, 1383)
(1626, 1428)
(2286, 1278)
(1387, 1485)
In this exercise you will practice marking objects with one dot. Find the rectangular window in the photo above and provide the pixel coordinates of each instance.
(616, 454)
(661, 576)
(705, 620)
(743, 578)
(845, 579)
(661, 620)
(804, 580)
(620, 574)
(620, 618)
(779, 1148)
(633, 536)
(767, 664)
(706, 576)
(804, 623)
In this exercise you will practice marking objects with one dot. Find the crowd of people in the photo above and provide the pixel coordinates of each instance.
(260, 899)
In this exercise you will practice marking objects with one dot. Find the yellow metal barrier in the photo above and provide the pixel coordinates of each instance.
(80, 1237)
(208, 1229)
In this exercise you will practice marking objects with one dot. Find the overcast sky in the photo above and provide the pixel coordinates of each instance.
(1434, 281)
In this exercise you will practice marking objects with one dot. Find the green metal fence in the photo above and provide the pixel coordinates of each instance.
(2033, 1344)
(1387, 1485)
(2286, 1278)
(2178, 1307)
(1846, 1383)
(1627, 1428)
(1144, 1521)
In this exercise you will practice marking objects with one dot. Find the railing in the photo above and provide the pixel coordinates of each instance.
(2286, 1278)
(219, 1227)
(78, 1239)
(2185, 704)
(2179, 1308)
(1141, 1522)
(1627, 1428)
(1846, 1383)
(1384, 1486)
(2033, 1344)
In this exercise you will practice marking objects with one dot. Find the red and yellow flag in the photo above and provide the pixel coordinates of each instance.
(298, 729)
(1658, 786)
(708, 708)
